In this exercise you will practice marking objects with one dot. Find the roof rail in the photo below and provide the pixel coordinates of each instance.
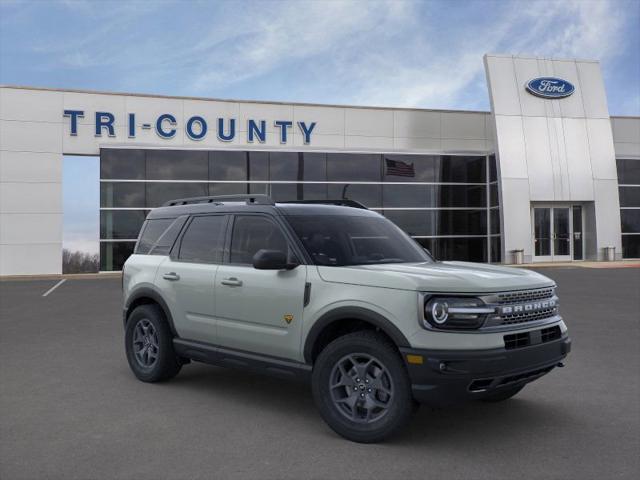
(345, 202)
(220, 199)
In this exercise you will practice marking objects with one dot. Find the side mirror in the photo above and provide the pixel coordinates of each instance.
(272, 260)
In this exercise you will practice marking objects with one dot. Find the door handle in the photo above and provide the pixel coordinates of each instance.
(231, 282)
(173, 276)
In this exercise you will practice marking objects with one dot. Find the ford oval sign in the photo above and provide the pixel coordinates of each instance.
(550, 87)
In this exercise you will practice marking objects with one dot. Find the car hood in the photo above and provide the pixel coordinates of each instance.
(451, 277)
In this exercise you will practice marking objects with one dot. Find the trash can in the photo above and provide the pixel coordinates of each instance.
(609, 253)
(518, 257)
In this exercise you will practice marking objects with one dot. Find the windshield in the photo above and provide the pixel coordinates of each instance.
(341, 240)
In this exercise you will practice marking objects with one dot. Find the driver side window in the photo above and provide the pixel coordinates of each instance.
(252, 233)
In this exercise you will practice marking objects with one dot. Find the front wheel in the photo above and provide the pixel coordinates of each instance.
(361, 387)
(149, 345)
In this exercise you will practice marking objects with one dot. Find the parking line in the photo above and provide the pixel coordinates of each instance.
(54, 287)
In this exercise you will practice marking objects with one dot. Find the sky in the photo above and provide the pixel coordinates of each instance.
(377, 52)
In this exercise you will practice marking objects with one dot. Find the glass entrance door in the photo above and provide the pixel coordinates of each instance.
(561, 233)
(557, 233)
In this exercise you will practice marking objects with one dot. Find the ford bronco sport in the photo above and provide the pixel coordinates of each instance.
(336, 294)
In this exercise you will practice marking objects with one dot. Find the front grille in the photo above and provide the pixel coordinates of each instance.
(526, 297)
(521, 296)
(524, 339)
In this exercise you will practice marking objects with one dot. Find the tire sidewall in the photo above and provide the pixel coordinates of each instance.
(166, 361)
(379, 348)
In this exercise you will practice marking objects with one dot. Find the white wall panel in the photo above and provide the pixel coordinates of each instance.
(503, 86)
(422, 144)
(607, 208)
(320, 142)
(30, 105)
(369, 122)
(148, 109)
(525, 70)
(571, 106)
(31, 259)
(329, 120)
(460, 145)
(30, 167)
(592, 85)
(626, 130)
(24, 228)
(601, 149)
(513, 162)
(30, 197)
(517, 217)
(578, 159)
(539, 164)
(368, 143)
(20, 136)
(465, 126)
(416, 124)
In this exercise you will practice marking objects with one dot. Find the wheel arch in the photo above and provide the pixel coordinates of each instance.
(148, 296)
(344, 319)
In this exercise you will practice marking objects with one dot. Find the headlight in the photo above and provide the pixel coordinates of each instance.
(454, 313)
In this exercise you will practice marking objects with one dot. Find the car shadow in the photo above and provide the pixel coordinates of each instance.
(471, 424)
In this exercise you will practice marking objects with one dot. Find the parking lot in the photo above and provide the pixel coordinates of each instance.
(70, 407)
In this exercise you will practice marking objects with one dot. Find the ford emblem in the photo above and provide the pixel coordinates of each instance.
(550, 87)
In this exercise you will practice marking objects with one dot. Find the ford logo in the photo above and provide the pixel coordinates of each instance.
(550, 87)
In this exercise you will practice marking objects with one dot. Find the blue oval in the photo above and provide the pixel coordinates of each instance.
(550, 87)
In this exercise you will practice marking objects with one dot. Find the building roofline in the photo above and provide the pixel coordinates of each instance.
(230, 100)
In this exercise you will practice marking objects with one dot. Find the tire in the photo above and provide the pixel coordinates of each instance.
(367, 409)
(502, 394)
(149, 345)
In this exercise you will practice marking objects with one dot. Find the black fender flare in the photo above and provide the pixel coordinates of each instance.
(352, 313)
(146, 292)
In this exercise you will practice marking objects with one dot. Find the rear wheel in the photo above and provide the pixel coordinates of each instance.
(361, 387)
(149, 345)
(503, 394)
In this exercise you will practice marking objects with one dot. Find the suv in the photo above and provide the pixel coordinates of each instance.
(335, 294)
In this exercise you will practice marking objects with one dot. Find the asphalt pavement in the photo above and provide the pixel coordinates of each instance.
(71, 409)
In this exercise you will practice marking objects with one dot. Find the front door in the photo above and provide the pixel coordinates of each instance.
(259, 310)
(557, 233)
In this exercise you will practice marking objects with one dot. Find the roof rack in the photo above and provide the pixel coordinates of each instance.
(220, 199)
(345, 202)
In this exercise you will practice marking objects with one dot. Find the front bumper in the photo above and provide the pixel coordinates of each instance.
(450, 376)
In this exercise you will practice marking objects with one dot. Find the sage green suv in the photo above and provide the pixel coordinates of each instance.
(335, 294)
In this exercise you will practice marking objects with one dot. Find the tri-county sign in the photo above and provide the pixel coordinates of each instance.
(196, 127)
(550, 87)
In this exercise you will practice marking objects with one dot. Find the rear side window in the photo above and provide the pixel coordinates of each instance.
(253, 233)
(203, 241)
(151, 232)
(168, 238)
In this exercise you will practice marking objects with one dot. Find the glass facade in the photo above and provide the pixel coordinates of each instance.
(448, 203)
(629, 190)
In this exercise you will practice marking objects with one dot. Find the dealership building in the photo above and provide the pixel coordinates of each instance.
(546, 175)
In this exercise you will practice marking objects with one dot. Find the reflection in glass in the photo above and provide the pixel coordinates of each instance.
(628, 171)
(577, 232)
(127, 195)
(160, 193)
(114, 254)
(630, 221)
(630, 246)
(125, 164)
(440, 222)
(469, 249)
(542, 228)
(629, 196)
(177, 165)
(368, 195)
(121, 223)
(358, 167)
(561, 234)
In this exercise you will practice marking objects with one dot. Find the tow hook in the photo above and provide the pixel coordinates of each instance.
(560, 364)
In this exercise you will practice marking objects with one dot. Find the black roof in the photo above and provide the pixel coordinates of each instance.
(258, 204)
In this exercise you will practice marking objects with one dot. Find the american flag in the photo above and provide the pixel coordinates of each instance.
(399, 168)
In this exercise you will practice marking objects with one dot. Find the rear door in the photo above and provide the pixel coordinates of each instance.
(187, 277)
(259, 310)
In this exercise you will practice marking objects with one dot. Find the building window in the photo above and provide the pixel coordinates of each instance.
(448, 203)
(629, 191)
